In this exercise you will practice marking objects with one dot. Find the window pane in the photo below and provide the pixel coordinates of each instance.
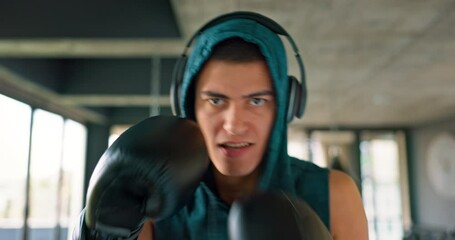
(47, 136)
(14, 143)
(72, 185)
(298, 144)
(381, 186)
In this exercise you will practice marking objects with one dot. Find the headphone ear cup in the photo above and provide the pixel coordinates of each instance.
(294, 99)
(291, 99)
(300, 100)
(177, 78)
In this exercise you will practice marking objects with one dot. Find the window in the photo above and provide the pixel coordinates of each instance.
(72, 175)
(381, 184)
(47, 135)
(376, 160)
(56, 163)
(297, 143)
(14, 150)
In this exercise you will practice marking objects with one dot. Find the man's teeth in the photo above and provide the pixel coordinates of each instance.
(236, 145)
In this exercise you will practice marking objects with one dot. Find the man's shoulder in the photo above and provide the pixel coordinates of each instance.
(344, 190)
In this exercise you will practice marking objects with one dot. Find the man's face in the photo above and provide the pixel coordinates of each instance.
(235, 109)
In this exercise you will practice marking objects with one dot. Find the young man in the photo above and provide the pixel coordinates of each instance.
(235, 87)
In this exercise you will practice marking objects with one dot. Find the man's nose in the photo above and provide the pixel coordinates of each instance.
(235, 120)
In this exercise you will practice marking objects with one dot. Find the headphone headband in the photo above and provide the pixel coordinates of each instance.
(267, 22)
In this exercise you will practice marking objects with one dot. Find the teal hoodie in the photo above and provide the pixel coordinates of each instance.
(205, 216)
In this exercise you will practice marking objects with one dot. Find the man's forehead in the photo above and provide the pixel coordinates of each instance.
(229, 69)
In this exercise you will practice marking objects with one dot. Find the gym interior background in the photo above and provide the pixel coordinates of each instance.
(380, 74)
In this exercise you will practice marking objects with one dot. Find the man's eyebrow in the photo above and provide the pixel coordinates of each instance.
(252, 95)
(260, 93)
(213, 94)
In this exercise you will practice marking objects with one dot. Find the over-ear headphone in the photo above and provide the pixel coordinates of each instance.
(297, 90)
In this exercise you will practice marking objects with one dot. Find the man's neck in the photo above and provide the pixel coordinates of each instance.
(231, 188)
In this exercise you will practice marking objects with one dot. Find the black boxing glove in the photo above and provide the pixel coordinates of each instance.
(150, 171)
(274, 216)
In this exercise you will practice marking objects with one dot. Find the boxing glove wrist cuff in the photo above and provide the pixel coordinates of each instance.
(98, 235)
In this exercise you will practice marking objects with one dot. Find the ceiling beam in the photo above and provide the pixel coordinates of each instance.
(102, 100)
(28, 92)
(90, 47)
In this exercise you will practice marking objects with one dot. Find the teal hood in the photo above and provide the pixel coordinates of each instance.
(275, 165)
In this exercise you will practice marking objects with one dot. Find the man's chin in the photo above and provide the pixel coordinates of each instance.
(235, 172)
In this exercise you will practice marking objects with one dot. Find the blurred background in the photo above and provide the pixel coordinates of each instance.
(381, 100)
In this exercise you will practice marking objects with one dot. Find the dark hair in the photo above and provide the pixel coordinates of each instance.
(237, 50)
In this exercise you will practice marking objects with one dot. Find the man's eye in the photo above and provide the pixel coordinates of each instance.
(257, 101)
(215, 101)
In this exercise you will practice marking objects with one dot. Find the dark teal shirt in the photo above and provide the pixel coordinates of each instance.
(205, 216)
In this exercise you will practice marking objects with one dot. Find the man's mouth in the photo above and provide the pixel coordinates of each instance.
(235, 145)
(235, 149)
